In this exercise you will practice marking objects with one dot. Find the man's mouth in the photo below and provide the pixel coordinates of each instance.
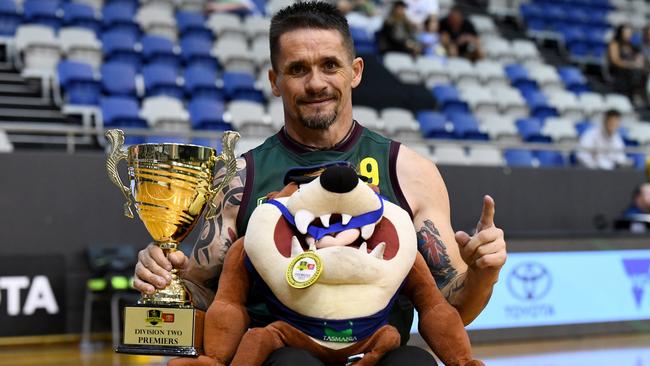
(317, 102)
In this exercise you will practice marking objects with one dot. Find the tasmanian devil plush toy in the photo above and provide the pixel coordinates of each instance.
(331, 255)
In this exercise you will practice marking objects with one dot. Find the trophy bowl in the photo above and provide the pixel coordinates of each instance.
(170, 186)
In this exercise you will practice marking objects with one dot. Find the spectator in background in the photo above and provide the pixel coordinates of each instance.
(645, 47)
(430, 39)
(418, 11)
(398, 34)
(626, 66)
(640, 201)
(459, 36)
(637, 216)
(603, 145)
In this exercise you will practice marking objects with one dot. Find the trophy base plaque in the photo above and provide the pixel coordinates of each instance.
(154, 329)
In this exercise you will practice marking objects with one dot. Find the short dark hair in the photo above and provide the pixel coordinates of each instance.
(308, 14)
(612, 113)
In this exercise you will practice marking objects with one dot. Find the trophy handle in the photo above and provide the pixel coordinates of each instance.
(116, 153)
(227, 156)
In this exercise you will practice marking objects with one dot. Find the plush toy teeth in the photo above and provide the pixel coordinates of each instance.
(311, 242)
(378, 252)
(325, 220)
(364, 247)
(367, 230)
(296, 248)
(345, 219)
(303, 219)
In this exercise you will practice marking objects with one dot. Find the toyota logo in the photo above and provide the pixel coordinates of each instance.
(529, 281)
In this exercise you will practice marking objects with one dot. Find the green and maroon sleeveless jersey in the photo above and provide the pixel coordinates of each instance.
(373, 155)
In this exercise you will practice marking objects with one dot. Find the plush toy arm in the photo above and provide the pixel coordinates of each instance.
(226, 320)
(440, 325)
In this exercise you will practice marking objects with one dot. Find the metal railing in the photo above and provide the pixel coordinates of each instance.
(72, 136)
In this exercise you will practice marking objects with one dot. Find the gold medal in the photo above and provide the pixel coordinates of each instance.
(304, 270)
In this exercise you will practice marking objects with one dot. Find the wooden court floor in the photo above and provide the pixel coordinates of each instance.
(630, 350)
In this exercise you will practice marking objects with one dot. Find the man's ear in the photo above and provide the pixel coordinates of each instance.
(273, 78)
(357, 71)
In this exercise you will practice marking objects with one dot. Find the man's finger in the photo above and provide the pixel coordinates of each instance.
(487, 215)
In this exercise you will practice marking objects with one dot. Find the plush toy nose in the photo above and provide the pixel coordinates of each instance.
(339, 179)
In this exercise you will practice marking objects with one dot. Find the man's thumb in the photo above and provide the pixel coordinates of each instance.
(462, 238)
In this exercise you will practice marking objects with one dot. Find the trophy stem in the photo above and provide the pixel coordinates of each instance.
(175, 293)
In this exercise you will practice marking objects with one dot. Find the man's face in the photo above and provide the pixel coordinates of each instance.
(611, 124)
(315, 76)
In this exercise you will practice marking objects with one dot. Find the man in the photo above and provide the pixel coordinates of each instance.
(603, 145)
(314, 70)
(459, 36)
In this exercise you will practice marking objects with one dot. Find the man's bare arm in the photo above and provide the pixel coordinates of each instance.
(464, 277)
(204, 266)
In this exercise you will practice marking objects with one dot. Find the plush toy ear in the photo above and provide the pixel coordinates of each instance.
(285, 192)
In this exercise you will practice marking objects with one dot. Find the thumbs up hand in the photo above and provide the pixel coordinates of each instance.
(486, 250)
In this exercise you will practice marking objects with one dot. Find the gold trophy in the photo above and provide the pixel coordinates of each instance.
(171, 185)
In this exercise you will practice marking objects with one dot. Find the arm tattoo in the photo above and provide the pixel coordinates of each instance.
(455, 286)
(434, 252)
(207, 252)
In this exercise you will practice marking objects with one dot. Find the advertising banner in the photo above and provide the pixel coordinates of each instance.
(559, 288)
(32, 295)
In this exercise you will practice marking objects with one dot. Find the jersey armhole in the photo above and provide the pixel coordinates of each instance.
(392, 171)
(248, 188)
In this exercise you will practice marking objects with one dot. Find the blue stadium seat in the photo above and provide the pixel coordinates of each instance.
(207, 114)
(364, 43)
(530, 130)
(120, 16)
(519, 78)
(556, 13)
(433, 125)
(466, 127)
(120, 45)
(77, 80)
(9, 18)
(583, 126)
(573, 79)
(638, 161)
(192, 23)
(42, 12)
(160, 50)
(550, 158)
(118, 79)
(197, 50)
(241, 86)
(161, 79)
(519, 158)
(80, 15)
(539, 105)
(200, 81)
(122, 112)
(448, 99)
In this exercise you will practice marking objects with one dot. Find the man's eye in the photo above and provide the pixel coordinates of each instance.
(297, 69)
(331, 65)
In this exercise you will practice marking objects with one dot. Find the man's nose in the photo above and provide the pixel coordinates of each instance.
(339, 179)
(316, 82)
